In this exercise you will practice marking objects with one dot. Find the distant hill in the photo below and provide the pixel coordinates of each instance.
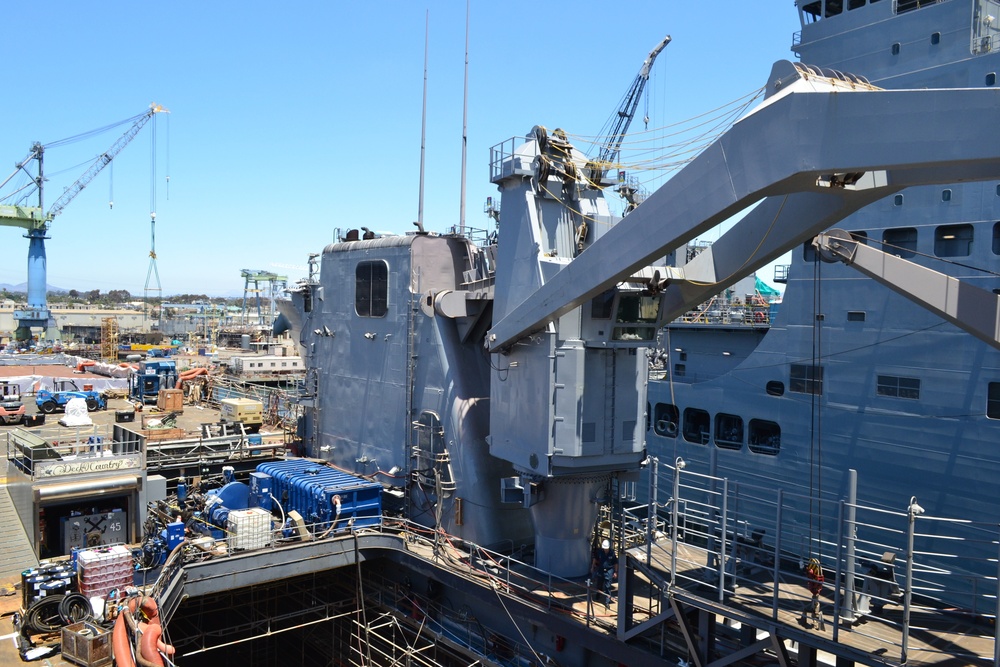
(23, 288)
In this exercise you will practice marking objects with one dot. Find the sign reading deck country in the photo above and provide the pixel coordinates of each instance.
(83, 466)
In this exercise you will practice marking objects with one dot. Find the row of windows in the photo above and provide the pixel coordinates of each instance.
(807, 379)
(949, 241)
(761, 436)
(829, 8)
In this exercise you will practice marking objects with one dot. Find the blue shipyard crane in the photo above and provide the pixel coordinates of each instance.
(36, 221)
(622, 119)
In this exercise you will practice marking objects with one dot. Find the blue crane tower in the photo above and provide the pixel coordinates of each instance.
(36, 221)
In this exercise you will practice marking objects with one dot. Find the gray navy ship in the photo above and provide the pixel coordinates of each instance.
(846, 373)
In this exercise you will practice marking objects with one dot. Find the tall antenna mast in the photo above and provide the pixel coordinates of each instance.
(465, 122)
(423, 126)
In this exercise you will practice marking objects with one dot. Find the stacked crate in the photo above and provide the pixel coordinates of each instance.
(104, 569)
(249, 529)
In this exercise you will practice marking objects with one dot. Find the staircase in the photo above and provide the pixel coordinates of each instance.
(17, 554)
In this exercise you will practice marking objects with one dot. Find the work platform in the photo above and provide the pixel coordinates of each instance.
(675, 599)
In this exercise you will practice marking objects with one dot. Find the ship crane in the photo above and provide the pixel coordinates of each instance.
(568, 323)
(621, 120)
(973, 309)
(37, 223)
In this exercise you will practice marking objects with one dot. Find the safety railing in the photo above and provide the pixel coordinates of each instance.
(890, 575)
(51, 454)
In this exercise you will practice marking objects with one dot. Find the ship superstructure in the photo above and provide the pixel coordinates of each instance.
(850, 375)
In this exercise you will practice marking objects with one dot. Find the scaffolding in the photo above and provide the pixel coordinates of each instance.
(109, 340)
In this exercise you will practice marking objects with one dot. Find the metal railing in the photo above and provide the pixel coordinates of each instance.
(747, 546)
(42, 453)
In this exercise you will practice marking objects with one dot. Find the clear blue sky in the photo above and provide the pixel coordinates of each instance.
(289, 120)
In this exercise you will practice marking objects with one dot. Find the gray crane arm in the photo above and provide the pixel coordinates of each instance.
(820, 147)
(970, 308)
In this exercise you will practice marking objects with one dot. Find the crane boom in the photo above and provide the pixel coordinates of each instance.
(775, 154)
(970, 308)
(37, 223)
(101, 162)
(623, 117)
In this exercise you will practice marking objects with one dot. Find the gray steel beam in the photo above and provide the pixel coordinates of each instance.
(808, 135)
(971, 308)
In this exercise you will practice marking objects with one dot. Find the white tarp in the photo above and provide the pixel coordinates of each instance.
(76, 413)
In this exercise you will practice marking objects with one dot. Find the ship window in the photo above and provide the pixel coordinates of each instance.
(833, 7)
(953, 240)
(897, 200)
(993, 401)
(991, 79)
(633, 310)
(307, 296)
(855, 316)
(805, 379)
(895, 49)
(601, 306)
(679, 370)
(854, 4)
(775, 388)
(371, 289)
(898, 387)
(901, 241)
(996, 238)
(696, 425)
(907, 5)
(665, 420)
(765, 437)
(728, 431)
(935, 38)
(946, 194)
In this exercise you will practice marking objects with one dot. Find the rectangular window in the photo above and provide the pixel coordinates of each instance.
(898, 387)
(993, 401)
(728, 431)
(765, 437)
(665, 418)
(855, 316)
(696, 426)
(901, 241)
(806, 379)
(953, 240)
(602, 304)
(371, 289)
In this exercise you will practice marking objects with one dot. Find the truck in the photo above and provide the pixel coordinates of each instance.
(250, 411)
(50, 401)
(11, 407)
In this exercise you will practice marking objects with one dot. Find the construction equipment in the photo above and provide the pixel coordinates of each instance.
(64, 390)
(275, 285)
(619, 122)
(11, 407)
(36, 221)
(146, 381)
